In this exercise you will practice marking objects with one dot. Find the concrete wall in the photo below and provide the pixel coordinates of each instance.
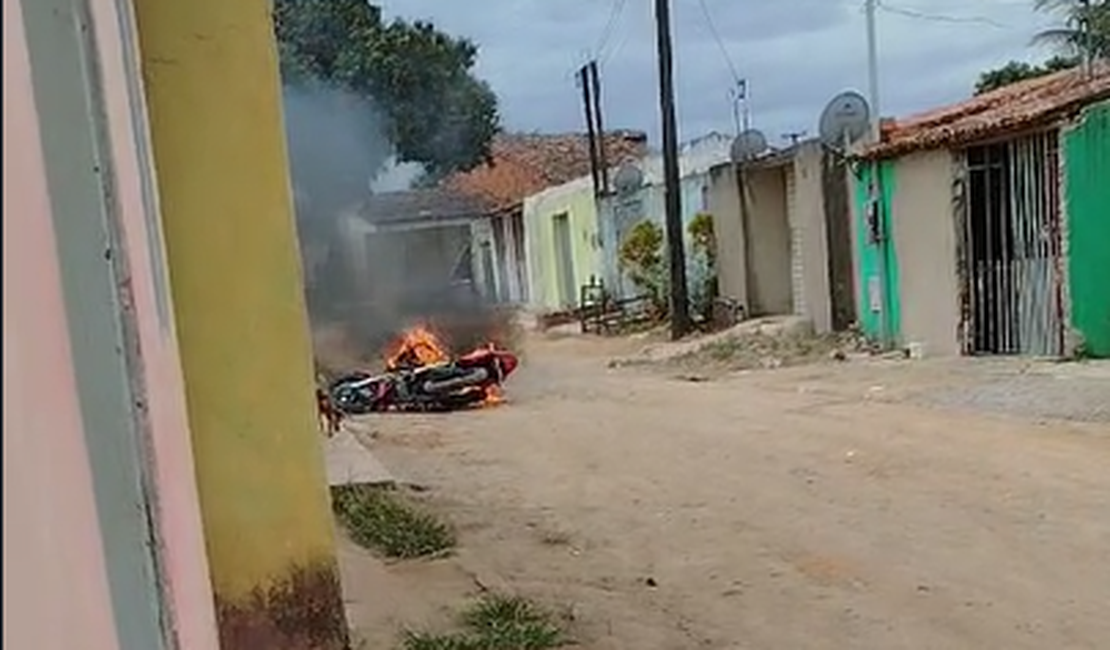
(411, 268)
(212, 89)
(481, 237)
(771, 282)
(56, 593)
(620, 214)
(508, 250)
(924, 234)
(724, 205)
(89, 323)
(576, 200)
(788, 214)
(183, 554)
(810, 250)
(770, 288)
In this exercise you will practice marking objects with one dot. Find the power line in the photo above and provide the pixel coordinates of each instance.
(917, 14)
(736, 78)
(738, 94)
(616, 10)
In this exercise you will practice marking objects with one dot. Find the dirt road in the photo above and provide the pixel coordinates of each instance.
(809, 508)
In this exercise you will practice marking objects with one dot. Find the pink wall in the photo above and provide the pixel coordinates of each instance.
(55, 582)
(179, 511)
(55, 585)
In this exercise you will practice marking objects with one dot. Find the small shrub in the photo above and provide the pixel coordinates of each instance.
(705, 285)
(641, 257)
(384, 520)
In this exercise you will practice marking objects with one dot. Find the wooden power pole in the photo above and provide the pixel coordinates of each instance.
(586, 80)
(680, 305)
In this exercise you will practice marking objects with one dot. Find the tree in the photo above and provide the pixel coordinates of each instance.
(1085, 31)
(436, 112)
(1086, 27)
(1015, 71)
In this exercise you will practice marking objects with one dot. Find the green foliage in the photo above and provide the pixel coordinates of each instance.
(495, 623)
(641, 257)
(1085, 29)
(703, 236)
(438, 113)
(1016, 71)
(704, 243)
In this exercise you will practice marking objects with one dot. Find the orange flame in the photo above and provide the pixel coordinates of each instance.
(418, 346)
(494, 396)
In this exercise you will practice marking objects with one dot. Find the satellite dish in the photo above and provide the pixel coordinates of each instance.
(748, 145)
(845, 119)
(628, 179)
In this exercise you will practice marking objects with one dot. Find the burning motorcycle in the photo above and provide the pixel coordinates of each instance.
(420, 376)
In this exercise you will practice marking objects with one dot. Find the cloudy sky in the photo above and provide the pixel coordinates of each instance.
(795, 54)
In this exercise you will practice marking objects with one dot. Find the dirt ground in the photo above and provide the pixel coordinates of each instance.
(864, 505)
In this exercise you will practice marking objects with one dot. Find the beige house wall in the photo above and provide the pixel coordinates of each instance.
(724, 205)
(771, 286)
(924, 233)
(768, 217)
(808, 222)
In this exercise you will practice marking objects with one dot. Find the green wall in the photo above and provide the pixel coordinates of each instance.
(1087, 179)
(576, 200)
(877, 260)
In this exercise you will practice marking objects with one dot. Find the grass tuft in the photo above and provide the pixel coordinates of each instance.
(385, 520)
(495, 623)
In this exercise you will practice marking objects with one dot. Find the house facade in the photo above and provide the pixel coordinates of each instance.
(523, 165)
(625, 207)
(789, 250)
(982, 228)
(163, 475)
(399, 255)
(563, 249)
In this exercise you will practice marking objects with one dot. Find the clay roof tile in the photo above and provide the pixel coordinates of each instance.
(1023, 105)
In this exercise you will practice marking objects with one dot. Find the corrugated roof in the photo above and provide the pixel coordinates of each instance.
(1026, 104)
(524, 164)
(435, 204)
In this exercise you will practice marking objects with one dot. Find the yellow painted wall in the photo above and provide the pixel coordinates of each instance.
(576, 200)
(212, 88)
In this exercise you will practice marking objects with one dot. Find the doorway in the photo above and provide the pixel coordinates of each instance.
(564, 261)
(1013, 298)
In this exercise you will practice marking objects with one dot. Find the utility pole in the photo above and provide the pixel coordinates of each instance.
(875, 203)
(680, 306)
(873, 69)
(591, 134)
(1085, 30)
(599, 126)
(740, 113)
